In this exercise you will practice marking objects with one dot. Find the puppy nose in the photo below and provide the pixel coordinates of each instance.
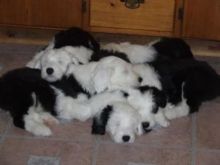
(145, 125)
(125, 138)
(49, 71)
(140, 79)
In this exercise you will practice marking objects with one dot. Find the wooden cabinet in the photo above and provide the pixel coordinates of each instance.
(152, 17)
(41, 13)
(202, 19)
(179, 18)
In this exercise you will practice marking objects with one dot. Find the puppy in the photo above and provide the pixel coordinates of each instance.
(109, 73)
(33, 102)
(195, 82)
(162, 49)
(29, 99)
(120, 120)
(74, 41)
(148, 102)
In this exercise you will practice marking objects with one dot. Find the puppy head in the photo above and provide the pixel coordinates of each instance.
(147, 101)
(122, 122)
(75, 36)
(54, 64)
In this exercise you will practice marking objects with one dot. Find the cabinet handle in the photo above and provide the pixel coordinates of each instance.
(132, 4)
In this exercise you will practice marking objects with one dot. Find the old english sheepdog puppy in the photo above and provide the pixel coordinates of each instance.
(109, 73)
(162, 49)
(120, 120)
(74, 41)
(194, 82)
(33, 102)
(54, 63)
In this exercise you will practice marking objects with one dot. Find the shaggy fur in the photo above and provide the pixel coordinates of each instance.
(163, 49)
(109, 73)
(33, 101)
(29, 99)
(187, 83)
(120, 120)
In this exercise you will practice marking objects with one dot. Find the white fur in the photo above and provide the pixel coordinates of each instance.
(135, 53)
(179, 110)
(148, 74)
(109, 73)
(82, 108)
(176, 111)
(123, 121)
(59, 60)
(36, 118)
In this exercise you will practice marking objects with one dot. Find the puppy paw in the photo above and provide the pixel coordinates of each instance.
(165, 123)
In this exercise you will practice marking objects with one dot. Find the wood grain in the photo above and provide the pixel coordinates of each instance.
(201, 19)
(153, 15)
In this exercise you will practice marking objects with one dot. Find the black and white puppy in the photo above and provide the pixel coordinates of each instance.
(188, 83)
(120, 120)
(75, 42)
(163, 49)
(32, 101)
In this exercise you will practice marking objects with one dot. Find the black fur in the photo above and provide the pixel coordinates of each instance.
(96, 56)
(198, 81)
(100, 122)
(159, 96)
(172, 48)
(75, 36)
(70, 86)
(16, 89)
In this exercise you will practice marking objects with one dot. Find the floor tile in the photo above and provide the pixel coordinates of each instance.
(4, 121)
(15, 151)
(208, 158)
(72, 131)
(116, 154)
(208, 132)
(178, 134)
(43, 160)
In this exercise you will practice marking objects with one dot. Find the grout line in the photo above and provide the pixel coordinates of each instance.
(95, 150)
(4, 135)
(46, 138)
(194, 140)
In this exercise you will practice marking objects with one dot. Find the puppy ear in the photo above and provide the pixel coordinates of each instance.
(160, 98)
(101, 79)
(100, 122)
(36, 61)
(74, 60)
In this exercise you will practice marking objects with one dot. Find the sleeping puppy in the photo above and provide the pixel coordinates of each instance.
(163, 49)
(109, 73)
(195, 82)
(120, 120)
(148, 102)
(74, 41)
(29, 99)
(55, 62)
(33, 102)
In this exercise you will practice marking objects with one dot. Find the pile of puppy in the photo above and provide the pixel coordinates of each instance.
(126, 89)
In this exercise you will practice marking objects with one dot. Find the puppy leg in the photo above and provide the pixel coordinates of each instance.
(34, 123)
(161, 119)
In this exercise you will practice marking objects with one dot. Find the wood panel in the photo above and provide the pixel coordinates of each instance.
(13, 12)
(55, 13)
(201, 19)
(153, 15)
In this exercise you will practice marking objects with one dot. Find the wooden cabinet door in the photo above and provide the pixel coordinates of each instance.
(13, 12)
(152, 15)
(41, 13)
(55, 13)
(202, 19)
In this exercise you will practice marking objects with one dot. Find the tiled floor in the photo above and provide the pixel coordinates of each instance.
(193, 140)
